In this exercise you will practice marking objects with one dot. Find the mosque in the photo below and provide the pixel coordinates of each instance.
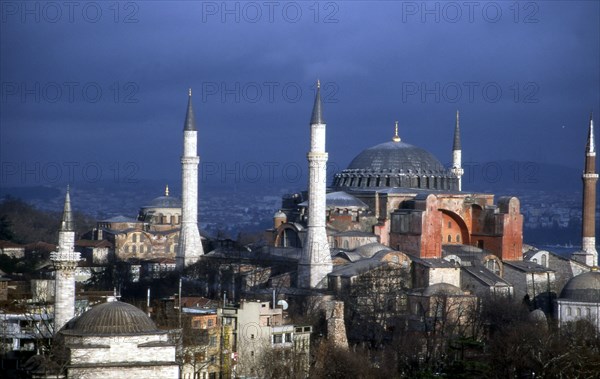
(395, 205)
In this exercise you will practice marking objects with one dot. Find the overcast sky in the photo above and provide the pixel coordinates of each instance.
(100, 88)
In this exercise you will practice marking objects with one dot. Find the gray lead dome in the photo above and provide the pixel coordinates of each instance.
(395, 156)
(165, 202)
(112, 318)
(395, 164)
(583, 287)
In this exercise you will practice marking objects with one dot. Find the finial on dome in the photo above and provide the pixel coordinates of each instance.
(318, 83)
(167, 190)
(396, 138)
(189, 92)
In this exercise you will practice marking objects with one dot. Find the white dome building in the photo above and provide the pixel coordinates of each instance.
(580, 299)
(116, 340)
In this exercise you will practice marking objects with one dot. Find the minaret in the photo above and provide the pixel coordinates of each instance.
(589, 255)
(457, 154)
(65, 262)
(315, 262)
(190, 246)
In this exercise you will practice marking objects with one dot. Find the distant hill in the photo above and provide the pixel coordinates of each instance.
(502, 176)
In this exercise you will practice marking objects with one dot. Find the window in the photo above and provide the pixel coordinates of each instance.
(213, 340)
(544, 261)
(449, 224)
(196, 324)
(288, 336)
(277, 338)
(134, 238)
(578, 312)
(210, 322)
(568, 311)
(458, 238)
(133, 249)
(449, 238)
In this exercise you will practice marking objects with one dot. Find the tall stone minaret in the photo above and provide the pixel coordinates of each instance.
(315, 262)
(457, 154)
(65, 262)
(190, 246)
(590, 177)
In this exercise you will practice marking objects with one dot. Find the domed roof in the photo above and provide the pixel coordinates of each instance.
(395, 164)
(583, 287)
(164, 202)
(112, 318)
(442, 289)
(395, 156)
(370, 249)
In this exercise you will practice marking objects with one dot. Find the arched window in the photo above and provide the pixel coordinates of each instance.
(134, 238)
(133, 249)
(568, 311)
(544, 261)
(458, 238)
(493, 266)
(534, 260)
(346, 244)
(578, 312)
(449, 224)
(449, 238)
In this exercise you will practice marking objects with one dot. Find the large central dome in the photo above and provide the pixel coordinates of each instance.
(395, 156)
(395, 164)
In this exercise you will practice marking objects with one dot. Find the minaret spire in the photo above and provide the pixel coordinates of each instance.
(396, 137)
(589, 255)
(65, 262)
(315, 262)
(66, 224)
(317, 113)
(190, 120)
(190, 245)
(591, 146)
(457, 153)
(456, 144)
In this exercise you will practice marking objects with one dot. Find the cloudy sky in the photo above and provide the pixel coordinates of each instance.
(99, 89)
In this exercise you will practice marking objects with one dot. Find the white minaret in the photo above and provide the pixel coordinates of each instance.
(315, 262)
(190, 246)
(65, 262)
(457, 154)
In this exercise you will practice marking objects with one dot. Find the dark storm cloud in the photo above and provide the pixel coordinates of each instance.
(253, 80)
